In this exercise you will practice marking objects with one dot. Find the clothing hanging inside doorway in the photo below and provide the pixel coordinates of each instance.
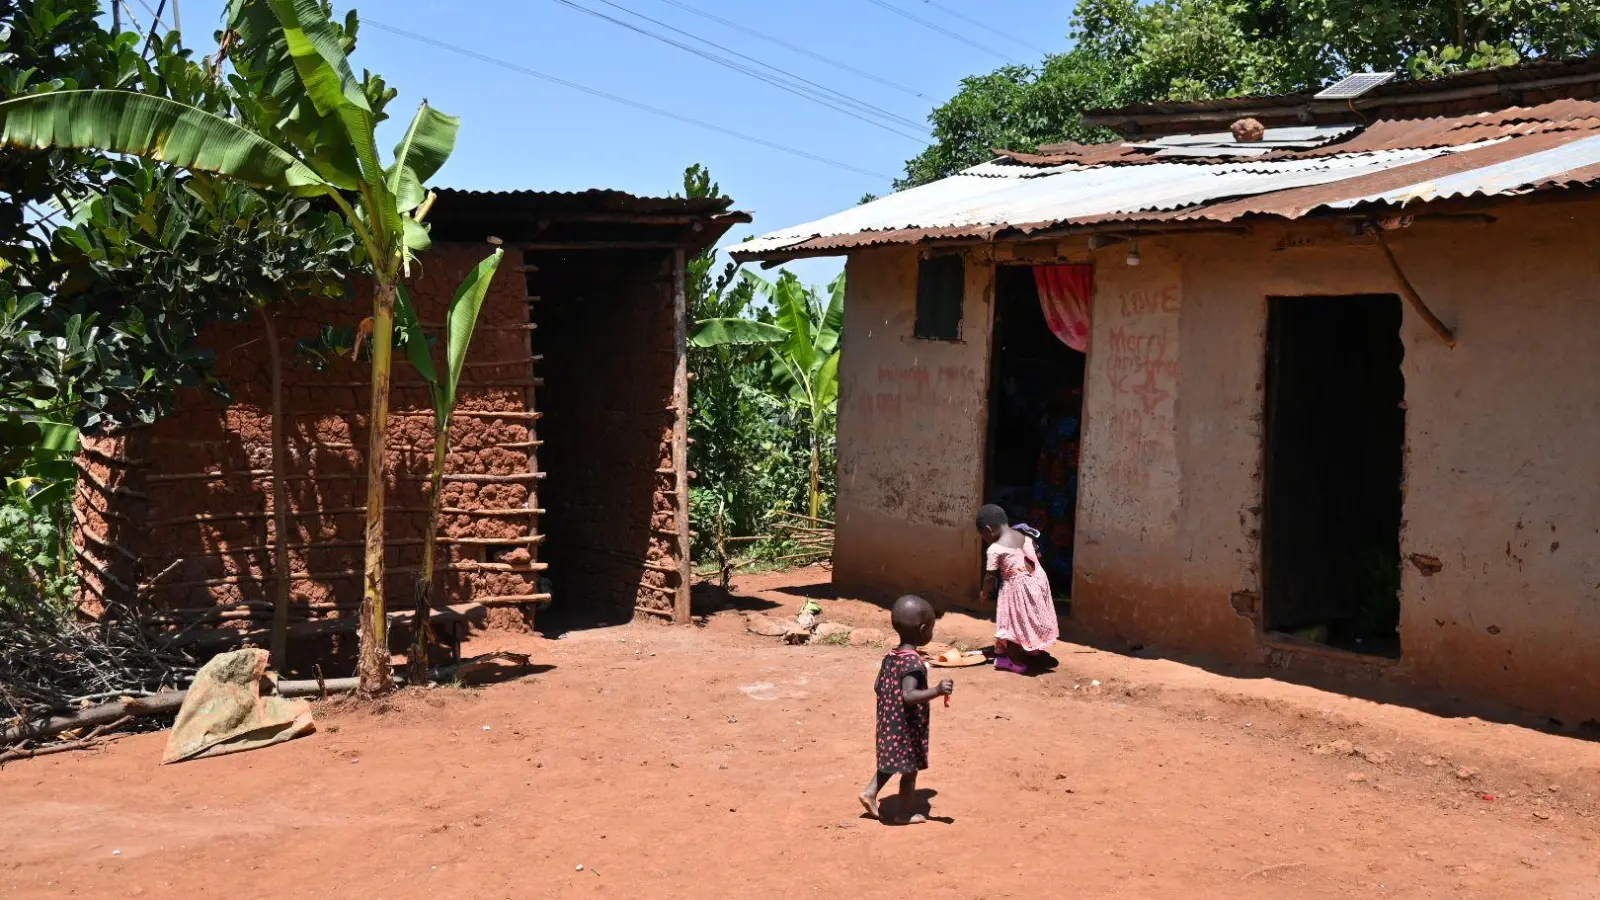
(1066, 293)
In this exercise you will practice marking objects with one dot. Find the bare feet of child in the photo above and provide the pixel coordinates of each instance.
(917, 819)
(870, 803)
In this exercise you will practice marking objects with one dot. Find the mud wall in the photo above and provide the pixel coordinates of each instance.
(609, 343)
(912, 429)
(180, 513)
(1500, 586)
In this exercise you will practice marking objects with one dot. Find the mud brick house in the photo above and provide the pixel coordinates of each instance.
(1340, 397)
(567, 477)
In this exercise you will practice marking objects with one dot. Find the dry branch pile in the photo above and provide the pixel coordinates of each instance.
(51, 664)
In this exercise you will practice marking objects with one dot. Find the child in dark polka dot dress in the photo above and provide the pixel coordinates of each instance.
(903, 711)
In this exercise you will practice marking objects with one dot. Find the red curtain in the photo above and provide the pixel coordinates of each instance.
(1065, 294)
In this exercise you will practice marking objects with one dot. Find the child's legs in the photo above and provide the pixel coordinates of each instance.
(869, 794)
(1011, 650)
(906, 803)
(876, 783)
(908, 791)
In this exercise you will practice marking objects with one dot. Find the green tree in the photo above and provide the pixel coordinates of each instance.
(312, 136)
(1126, 51)
(1014, 108)
(108, 293)
(56, 45)
(460, 322)
(162, 255)
(51, 45)
(802, 355)
(751, 444)
(731, 437)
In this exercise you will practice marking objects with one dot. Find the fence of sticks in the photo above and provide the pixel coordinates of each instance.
(804, 541)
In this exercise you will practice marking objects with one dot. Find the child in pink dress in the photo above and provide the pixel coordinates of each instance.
(1025, 608)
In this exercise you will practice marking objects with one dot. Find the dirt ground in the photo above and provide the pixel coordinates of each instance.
(708, 762)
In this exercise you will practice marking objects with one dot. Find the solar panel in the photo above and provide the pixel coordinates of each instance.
(1355, 85)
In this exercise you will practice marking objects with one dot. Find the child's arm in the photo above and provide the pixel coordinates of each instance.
(991, 580)
(917, 695)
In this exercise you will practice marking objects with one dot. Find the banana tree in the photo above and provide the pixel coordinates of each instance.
(802, 352)
(308, 131)
(459, 325)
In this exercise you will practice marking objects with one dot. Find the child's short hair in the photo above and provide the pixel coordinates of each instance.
(909, 614)
(992, 516)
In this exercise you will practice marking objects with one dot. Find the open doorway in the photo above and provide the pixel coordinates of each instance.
(1035, 422)
(1335, 433)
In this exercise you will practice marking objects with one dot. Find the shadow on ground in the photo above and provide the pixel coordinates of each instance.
(1357, 679)
(892, 813)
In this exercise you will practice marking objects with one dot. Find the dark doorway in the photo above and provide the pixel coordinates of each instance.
(1035, 422)
(1335, 433)
(606, 432)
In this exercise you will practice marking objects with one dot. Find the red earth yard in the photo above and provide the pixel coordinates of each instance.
(652, 762)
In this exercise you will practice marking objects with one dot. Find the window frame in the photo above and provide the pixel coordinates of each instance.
(926, 324)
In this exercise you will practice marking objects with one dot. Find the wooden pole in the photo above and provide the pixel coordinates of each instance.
(530, 403)
(153, 705)
(1410, 292)
(680, 433)
(280, 499)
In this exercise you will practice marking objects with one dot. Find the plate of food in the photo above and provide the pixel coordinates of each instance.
(957, 659)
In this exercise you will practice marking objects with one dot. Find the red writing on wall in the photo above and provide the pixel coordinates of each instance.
(899, 388)
(912, 375)
(1138, 364)
(1143, 302)
(1140, 451)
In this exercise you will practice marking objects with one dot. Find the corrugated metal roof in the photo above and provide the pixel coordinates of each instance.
(453, 201)
(1223, 144)
(1384, 134)
(1503, 77)
(1489, 180)
(1389, 162)
(1501, 167)
(588, 217)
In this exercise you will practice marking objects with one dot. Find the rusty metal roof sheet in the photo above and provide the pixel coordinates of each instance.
(587, 217)
(1503, 78)
(1222, 144)
(1384, 134)
(1389, 163)
(460, 202)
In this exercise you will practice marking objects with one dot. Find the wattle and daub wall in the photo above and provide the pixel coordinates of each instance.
(571, 371)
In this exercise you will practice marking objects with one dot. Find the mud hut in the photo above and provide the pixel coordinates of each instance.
(567, 479)
(1324, 399)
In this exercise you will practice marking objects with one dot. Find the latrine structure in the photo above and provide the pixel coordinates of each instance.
(567, 479)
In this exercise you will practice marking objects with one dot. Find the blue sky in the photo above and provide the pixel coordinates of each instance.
(520, 132)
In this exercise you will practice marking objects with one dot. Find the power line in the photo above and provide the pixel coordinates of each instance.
(797, 49)
(953, 35)
(776, 82)
(984, 25)
(839, 95)
(595, 92)
(847, 98)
